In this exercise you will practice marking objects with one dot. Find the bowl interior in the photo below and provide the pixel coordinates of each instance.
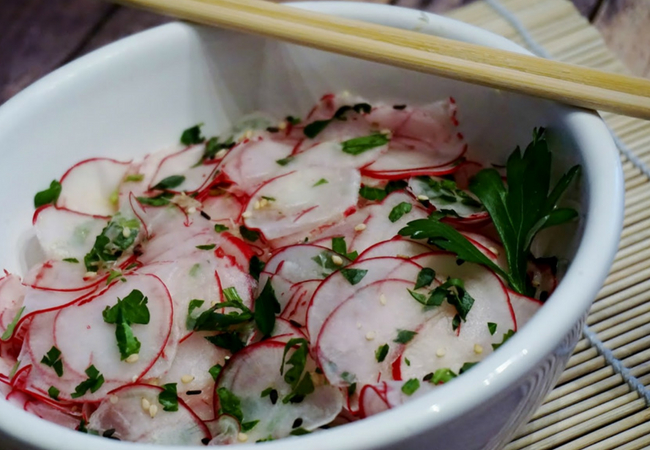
(135, 96)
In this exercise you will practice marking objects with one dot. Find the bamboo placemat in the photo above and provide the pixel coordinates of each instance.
(593, 407)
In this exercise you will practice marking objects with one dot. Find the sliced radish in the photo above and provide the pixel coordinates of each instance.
(374, 316)
(88, 187)
(388, 394)
(52, 414)
(336, 289)
(331, 154)
(132, 423)
(298, 305)
(66, 234)
(186, 163)
(12, 294)
(139, 175)
(397, 247)
(225, 430)
(224, 208)
(474, 339)
(296, 205)
(62, 276)
(524, 307)
(256, 369)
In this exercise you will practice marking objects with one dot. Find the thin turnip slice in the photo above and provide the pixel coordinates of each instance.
(297, 204)
(336, 289)
(132, 423)
(378, 314)
(66, 234)
(256, 369)
(396, 247)
(88, 187)
(186, 163)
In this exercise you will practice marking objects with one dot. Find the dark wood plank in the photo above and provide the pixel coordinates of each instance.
(38, 35)
(625, 25)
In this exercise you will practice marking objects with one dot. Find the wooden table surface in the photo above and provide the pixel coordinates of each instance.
(37, 36)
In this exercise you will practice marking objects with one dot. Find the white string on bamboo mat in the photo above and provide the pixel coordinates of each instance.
(538, 49)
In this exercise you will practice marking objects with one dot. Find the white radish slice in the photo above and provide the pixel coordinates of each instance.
(298, 206)
(145, 169)
(387, 117)
(88, 187)
(12, 294)
(473, 341)
(441, 198)
(388, 394)
(331, 154)
(436, 171)
(298, 305)
(337, 289)
(225, 430)
(224, 208)
(488, 247)
(61, 276)
(257, 368)
(66, 234)
(132, 423)
(190, 370)
(251, 163)
(524, 307)
(378, 226)
(51, 414)
(350, 337)
(187, 163)
(465, 173)
(84, 339)
(398, 247)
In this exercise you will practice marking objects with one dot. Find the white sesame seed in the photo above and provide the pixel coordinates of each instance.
(90, 275)
(370, 335)
(423, 197)
(359, 325)
(247, 214)
(478, 349)
(221, 153)
(494, 250)
(248, 134)
(382, 299)
(242, 437)
(187, 379)
(134, 378)
(263, 203)
(75, 409)
(154, 382)
(126, 232)
(132, 358)
(535, 282)
(113, 399)
(145, 404)
(360, 227)
(153, 410)
(214, 303)
(282, 126)
(440, 352)
(337, 260)
(191, 210)
(256, 205)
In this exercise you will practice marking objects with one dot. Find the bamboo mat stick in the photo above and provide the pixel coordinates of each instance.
(563, 82)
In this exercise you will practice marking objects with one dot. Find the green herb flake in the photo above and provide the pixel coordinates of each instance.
(71, 260)
(112, 275)
(170, 182)
(268, 199)
(247, 426)
(455, 322)
(381, 353)
(168, 398)
(229, 341)
(128, 311)
(354, 276)
(53, 359)
(284, 161)
(255, 267)
(372, 194)
(211, 320)
(301, 385)
(314, 128)
(443, 375)
(194, 271)
(411, 386)
(266, 392)
(466, 367)
(492, 328)
(266, 308)
(190, 321)
(293, 120)
(352, 389)
(53, 393)
(407, 362)
(94, 381)
(248, 234)
(399, 211)
(229, 404)
(48, 196)
(158, 200)
(299, 432)
(359, 145)
(215, 371)
(324, 260)
(320, 182)
(192, 135)
(12, 326)
(220, 228)
(206, 247)
(404, 336)
(136, 177)
(118, 236)
(507, 335)
(425, 277)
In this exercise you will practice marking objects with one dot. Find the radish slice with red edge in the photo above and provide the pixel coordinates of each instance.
(523, 306)
(12, 295)
(397, 247)
(188, 164)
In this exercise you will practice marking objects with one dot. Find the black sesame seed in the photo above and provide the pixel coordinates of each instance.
(197, 392)
(205, 441)
(205, 215)
(295, 324)
(297, 423)
(272, 129)
(543, 296)
(427, 377)
(399, 107)
(318, 370)
(297, 399)
(273, 396)
(460, 262)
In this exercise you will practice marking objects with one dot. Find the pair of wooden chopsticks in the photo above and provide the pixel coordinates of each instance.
(567, 83)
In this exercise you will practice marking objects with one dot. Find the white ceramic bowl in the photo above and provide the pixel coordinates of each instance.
(134, 96)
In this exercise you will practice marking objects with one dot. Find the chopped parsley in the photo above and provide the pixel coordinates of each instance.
(466, 367)
(314, 128)
(255, 267)
(53, 393)
(168, 398)
(445, 192)
(324, 260)
(381, 353)
(53, 359)
(299, 432)
(128, 311)
(170, 182)
(284, 161)
(215, 371)
(12, 326)
(442, 376)
(320, 182)
(71, 260)
(411, 386)
(230, 404)
(220, 228)
(112, 275)
(190, 321)
(354, 276)
(247, 426)
(195, 270)
(266, 308)
(192, 135)
(352, 389)
(379, 194)
(340, 247)
(425, 278)
(49, 195)
(112, 242)
(292, 120)
(213, 146)
(301, 385)
(492, 327)
(455, 322)
(229, 341)
(399, 211)
(206, 247)
(507, 335)
(135, 177)
(248, 234)
(359, 145)
(94, 381)
(404, 336)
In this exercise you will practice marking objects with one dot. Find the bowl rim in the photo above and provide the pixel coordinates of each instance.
(499, 371)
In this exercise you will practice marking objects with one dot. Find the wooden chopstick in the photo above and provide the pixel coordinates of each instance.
(567, 83)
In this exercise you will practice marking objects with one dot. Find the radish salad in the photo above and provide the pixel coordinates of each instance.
(287, 276)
